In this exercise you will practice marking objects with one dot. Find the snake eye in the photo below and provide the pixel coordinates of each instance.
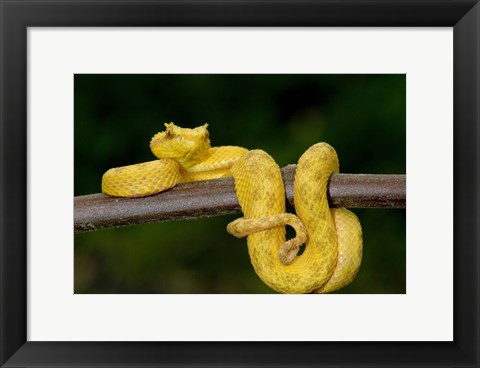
(169, 134)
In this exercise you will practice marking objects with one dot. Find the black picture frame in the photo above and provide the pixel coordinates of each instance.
(17, 15)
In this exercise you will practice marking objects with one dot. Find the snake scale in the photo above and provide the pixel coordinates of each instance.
(332, 237)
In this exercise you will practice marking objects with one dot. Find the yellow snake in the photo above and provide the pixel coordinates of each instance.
(333, 237)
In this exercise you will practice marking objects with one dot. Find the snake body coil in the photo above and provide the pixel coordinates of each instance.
(333, 250)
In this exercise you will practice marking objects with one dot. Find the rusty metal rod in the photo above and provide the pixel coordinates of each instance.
(217, 197)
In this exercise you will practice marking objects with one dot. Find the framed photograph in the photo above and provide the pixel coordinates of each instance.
(152, 214)
(282, 115)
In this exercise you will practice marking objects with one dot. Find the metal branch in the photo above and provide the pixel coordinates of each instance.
(217, 197)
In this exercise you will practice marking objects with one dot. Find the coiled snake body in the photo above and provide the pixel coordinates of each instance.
(333, 237)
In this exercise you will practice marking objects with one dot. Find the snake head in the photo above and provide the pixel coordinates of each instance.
(187, 146)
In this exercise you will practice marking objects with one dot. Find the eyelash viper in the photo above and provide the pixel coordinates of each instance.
(333, 237)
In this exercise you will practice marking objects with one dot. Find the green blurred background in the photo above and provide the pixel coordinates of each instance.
(362, 116)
